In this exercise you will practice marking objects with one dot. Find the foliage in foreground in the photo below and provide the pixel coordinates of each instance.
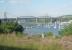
(10, 27)
(12, 42)
(66, 31)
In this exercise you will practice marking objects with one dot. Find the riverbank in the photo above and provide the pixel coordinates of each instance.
(13, 42)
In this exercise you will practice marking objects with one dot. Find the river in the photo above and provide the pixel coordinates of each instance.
(54, 28)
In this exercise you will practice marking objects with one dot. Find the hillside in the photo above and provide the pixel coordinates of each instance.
(65, 18)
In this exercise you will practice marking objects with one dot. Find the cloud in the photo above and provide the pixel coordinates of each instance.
(2, 1)
(18, 1)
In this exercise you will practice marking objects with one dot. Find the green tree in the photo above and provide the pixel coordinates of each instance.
(19, 28)
(9, 27)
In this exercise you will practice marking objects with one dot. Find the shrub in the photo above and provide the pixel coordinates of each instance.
(49, 34)
(19, 28)
(9, 27)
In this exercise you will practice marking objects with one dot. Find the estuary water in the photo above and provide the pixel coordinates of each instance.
(39, 29)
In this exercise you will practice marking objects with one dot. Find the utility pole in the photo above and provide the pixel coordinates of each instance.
(5, 16)
(17, 19)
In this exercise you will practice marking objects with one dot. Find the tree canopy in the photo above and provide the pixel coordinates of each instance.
(67, 30)
(10, 27)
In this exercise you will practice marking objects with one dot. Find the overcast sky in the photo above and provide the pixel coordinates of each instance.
(36, 7)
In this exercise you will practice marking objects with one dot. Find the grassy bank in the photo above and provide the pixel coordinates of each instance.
(13, 42)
